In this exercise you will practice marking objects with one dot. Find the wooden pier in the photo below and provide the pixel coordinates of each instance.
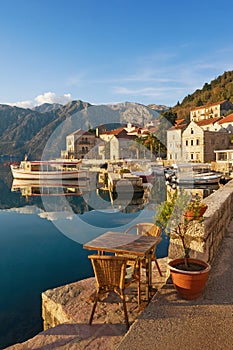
(124, 182)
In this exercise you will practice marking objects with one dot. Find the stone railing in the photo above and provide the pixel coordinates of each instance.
(206, 237)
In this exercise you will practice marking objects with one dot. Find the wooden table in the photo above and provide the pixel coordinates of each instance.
(118, 242)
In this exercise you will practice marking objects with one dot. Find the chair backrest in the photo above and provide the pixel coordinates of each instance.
(109, 271)
(145, 228)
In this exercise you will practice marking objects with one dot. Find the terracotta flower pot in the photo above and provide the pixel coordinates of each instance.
(189, 284)
(193, 215)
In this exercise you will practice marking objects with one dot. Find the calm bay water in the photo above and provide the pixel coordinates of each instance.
(40, 250)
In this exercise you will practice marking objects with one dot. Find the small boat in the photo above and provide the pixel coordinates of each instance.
(146, 176)
(50, 169)
(125, 183)
(197, 174)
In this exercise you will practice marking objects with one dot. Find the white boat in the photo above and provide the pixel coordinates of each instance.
(197, 174)
(51, 169)
(146, 176)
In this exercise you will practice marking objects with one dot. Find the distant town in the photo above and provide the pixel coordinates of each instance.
(206, 138)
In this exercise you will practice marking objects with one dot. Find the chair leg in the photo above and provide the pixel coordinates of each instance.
(158, 267)
(125, 310)
(93, 310)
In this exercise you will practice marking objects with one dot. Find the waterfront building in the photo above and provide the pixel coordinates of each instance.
(199, 143)
(174, 140)
(213, 110)
(227, 122)
(80, 144)
(119, 141)
(208, 131)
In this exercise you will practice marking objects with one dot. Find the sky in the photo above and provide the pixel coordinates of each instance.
(110, 51)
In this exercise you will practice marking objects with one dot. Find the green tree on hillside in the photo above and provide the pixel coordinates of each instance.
(217, 90)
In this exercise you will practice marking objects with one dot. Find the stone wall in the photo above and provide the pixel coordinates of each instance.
(208, 234)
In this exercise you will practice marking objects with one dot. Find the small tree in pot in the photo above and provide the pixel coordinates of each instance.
(175, 216)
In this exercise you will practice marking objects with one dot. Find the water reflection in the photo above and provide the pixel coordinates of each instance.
(83, 197)
(35, 256)
(30, 188)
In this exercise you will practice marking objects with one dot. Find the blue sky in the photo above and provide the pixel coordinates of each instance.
(109, 51)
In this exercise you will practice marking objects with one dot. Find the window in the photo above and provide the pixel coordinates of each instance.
(191, 142)
(186, 143)
(191, 156)
(192, 132)
(222, 156)
(197, 142)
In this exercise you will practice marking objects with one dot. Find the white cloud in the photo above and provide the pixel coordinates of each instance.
(147, 91)
(28, 209)
(47, 97)
(23, 104)
(53, 216)
(51, 97)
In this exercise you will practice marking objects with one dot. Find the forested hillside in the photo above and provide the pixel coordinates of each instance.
(217, 90)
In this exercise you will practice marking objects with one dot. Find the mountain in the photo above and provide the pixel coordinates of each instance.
(158, 108)
(47, 107)
(27, 131)
(18, 125)
(217, 90)
(44, 128)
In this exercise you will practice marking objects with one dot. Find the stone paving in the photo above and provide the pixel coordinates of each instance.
(171, 323)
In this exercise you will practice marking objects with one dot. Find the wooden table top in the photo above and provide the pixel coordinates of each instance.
(118, 242)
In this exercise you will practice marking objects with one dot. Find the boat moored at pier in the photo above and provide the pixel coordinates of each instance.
(50, 169)
(191, 173)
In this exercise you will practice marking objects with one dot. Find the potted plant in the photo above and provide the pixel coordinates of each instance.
(195, 210)
(175, 216)
(123, 171)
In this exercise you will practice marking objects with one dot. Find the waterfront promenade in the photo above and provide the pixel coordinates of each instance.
(167, 323)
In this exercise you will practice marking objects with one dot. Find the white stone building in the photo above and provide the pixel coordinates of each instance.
(199, 143)
(213, 110)
(80, 144)
(174, 141)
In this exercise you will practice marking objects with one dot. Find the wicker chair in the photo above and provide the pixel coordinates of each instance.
(148, 229)
(110, 275)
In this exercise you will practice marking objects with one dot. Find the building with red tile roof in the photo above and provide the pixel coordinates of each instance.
(213, 110)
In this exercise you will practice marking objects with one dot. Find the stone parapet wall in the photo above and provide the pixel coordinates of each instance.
(209, 233)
